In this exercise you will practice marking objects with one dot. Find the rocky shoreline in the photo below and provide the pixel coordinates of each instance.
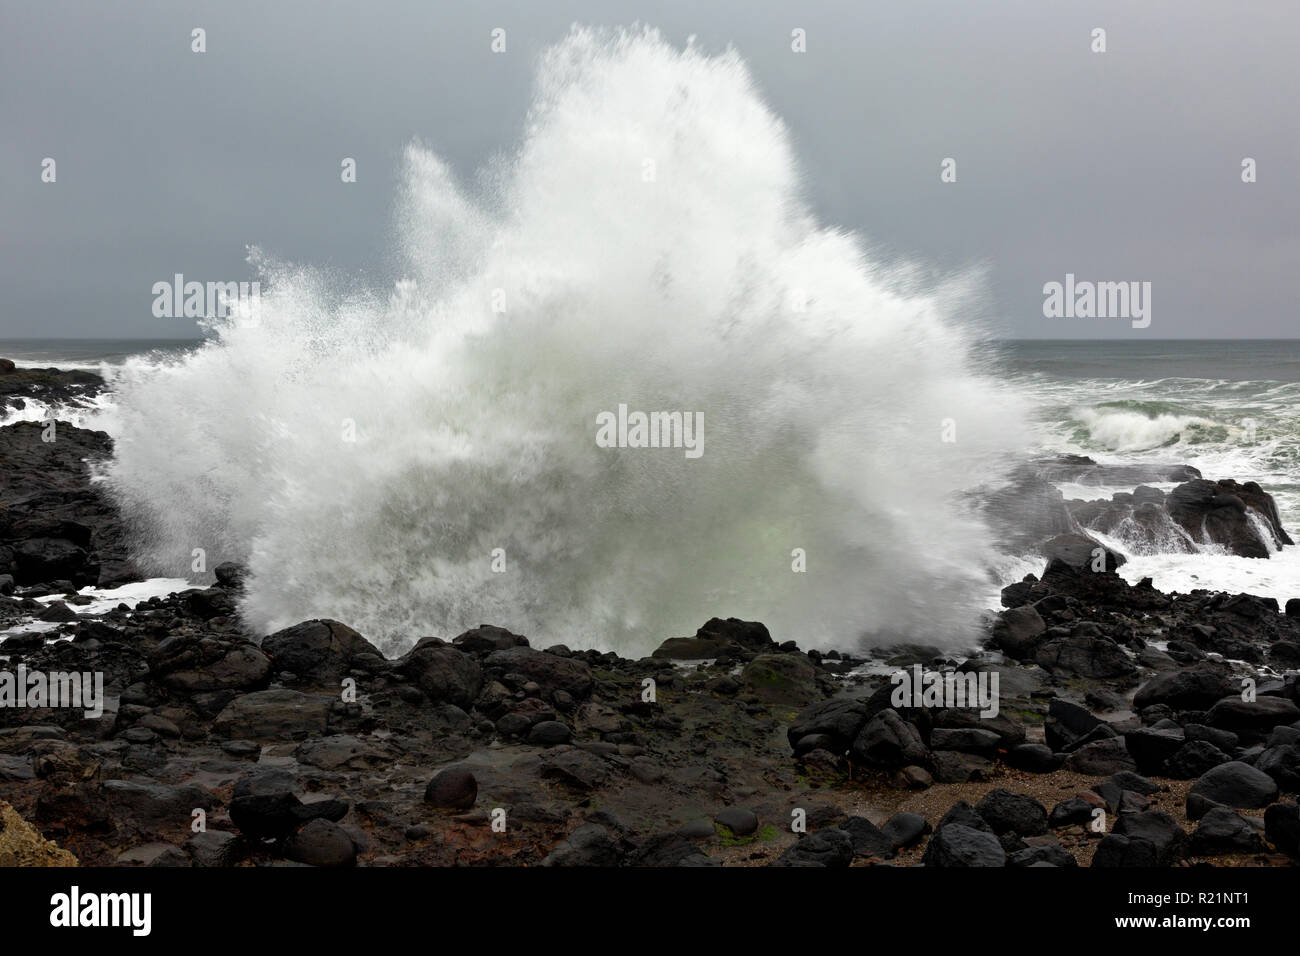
(219, 747)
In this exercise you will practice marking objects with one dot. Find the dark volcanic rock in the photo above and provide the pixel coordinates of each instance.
(1224, 831)
(1018, 631)
(550, 672)
(588, 845)
(781, 678)
(190, 663)
(1219, 512)
(454, 788)
(958, 845)
(486, 638)
(1261, 714)
(273, 715)
(1082, 655)
(732, 637)
(446, 674)
(1008, 812)
(322, 843)
(54, 524)
(889, 741)
(320, 652)
(1282, 827)
(1143, 839)
(1236, 784)
(1101, 758)
(1190, 689)
(1194, 758)
(1081, 553)
(829, 848)
(840, 719)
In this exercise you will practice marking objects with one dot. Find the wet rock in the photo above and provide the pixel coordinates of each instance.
(273, 715)
(1018, 631)
(1191, 689)
(839, 719)
(887, 741)
(322, 843)
(588, 845)
(1084, 656)
(549, 672)
(319, 652)
(576, 769)
(190, 664)
(444, 673)
(718, 638)
(781, 678)
(214, 848)
(454, 788)
(485, 639)
(1220, 511)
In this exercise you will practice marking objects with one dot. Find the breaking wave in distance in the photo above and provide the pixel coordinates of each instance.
(647, 244)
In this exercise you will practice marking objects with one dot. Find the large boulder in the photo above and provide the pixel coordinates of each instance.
(1236, 784)
(1259, 715)
(550, 671)
(273, 715)
(958, 845)
(888, 741)
(320, 652)
(445, 674)
(718, 638)
(1018, 631)
(1084, 655)
(1144, 839)
(193, 664)
(840, 719)
(1101, 758)
(1008, 812)
(1220, 513)
(781, 678)
(1081, 553)
(831, 848)
(1194, 688)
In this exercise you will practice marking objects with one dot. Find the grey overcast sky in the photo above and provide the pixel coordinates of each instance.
(1117, 166)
